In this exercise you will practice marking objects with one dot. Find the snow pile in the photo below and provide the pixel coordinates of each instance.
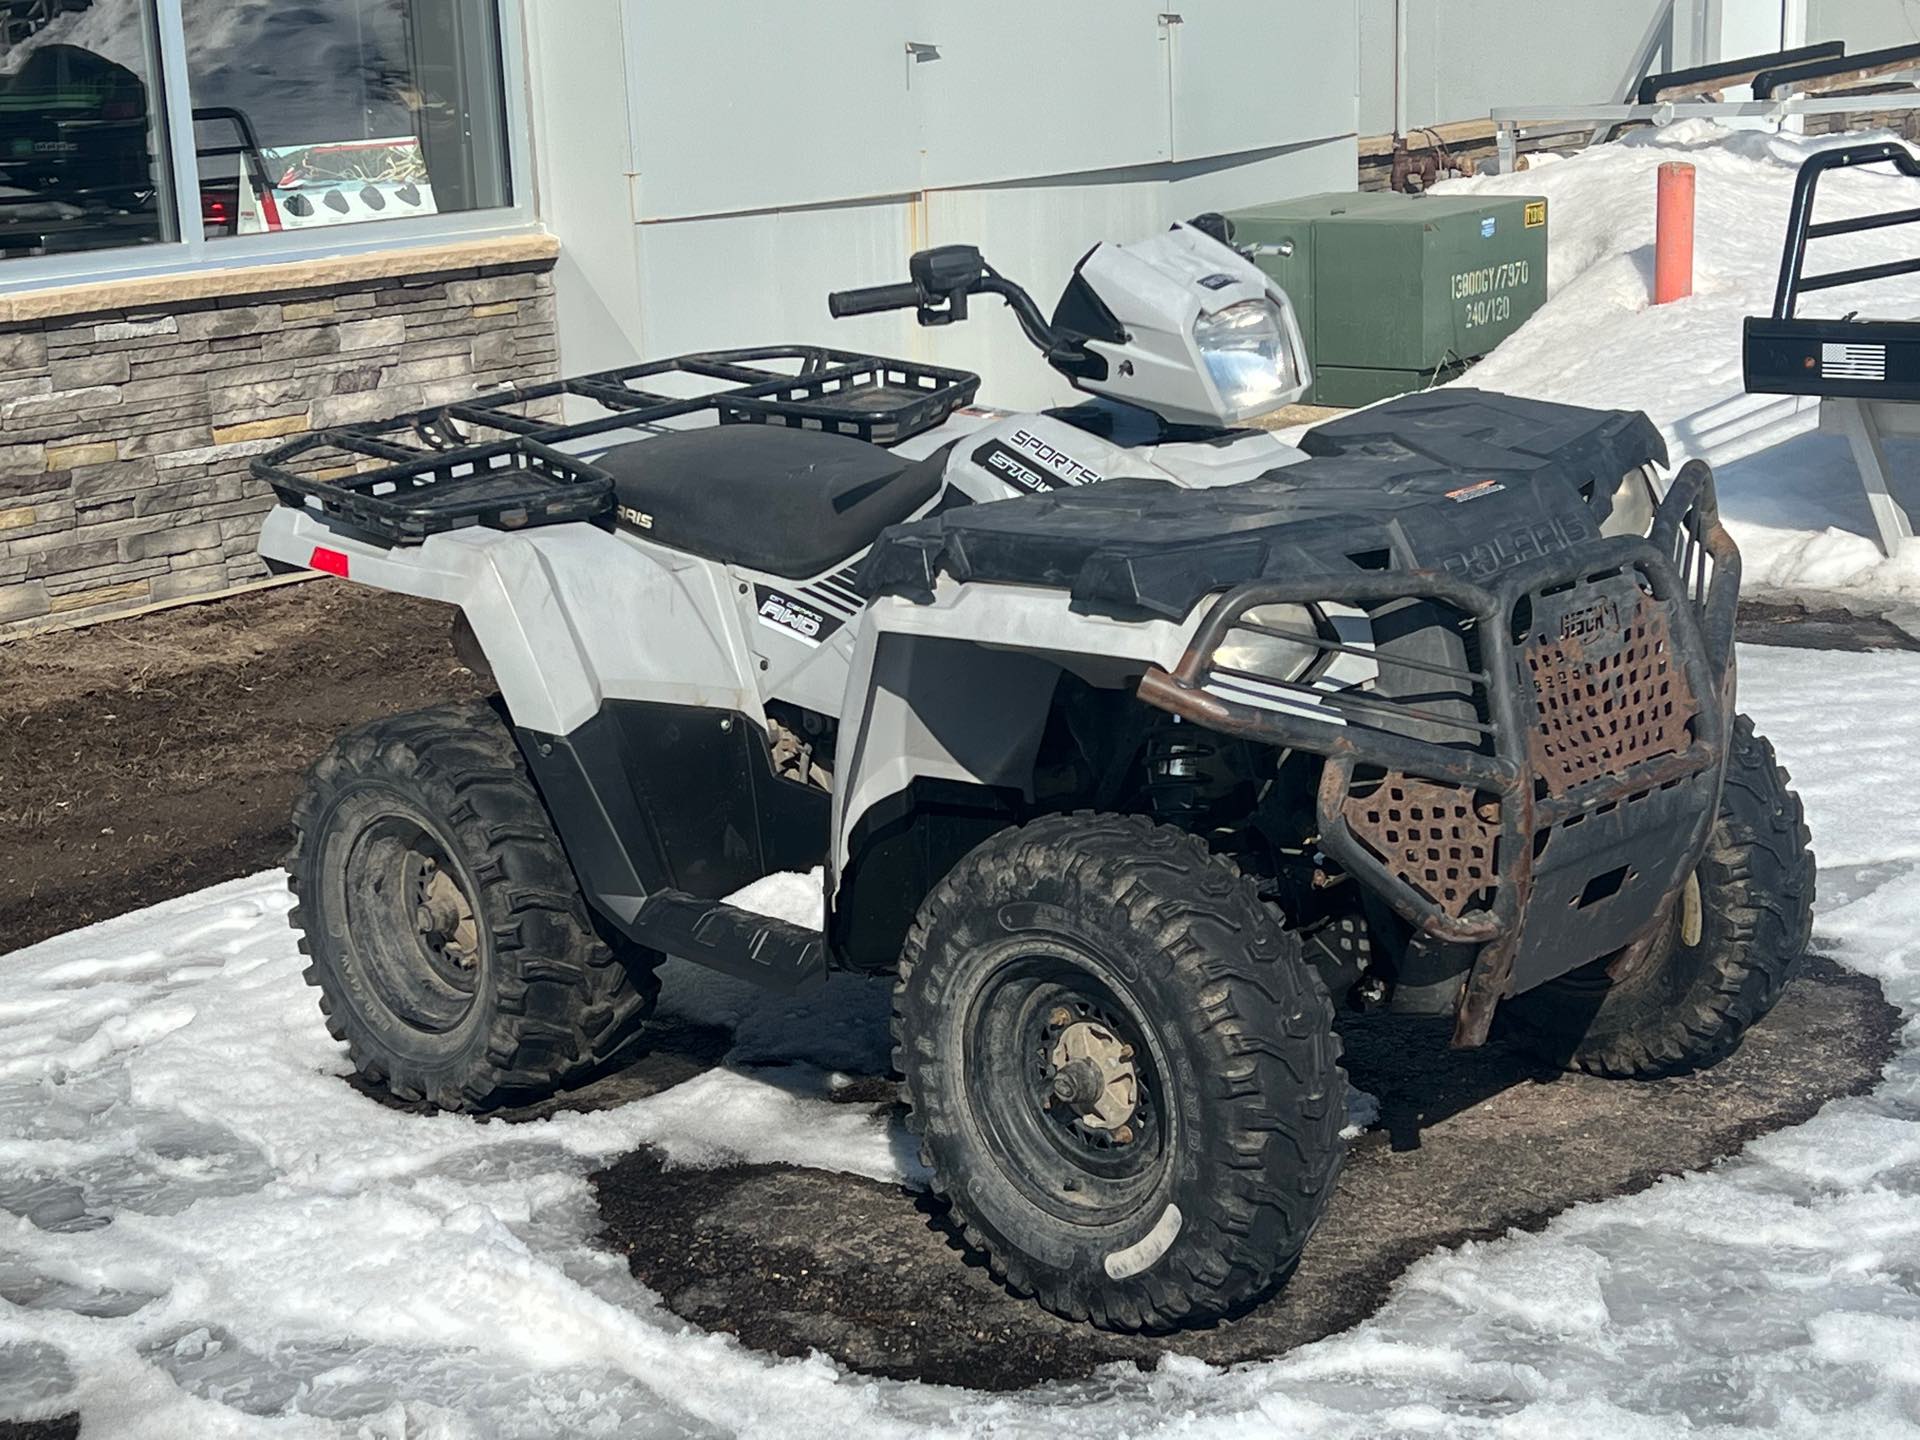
(1792, 498)
(204, 1231)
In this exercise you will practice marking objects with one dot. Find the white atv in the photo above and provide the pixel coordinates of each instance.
(1123, 780)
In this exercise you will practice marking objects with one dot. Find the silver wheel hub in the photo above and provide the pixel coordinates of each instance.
(443, 918)
(1093, 1074)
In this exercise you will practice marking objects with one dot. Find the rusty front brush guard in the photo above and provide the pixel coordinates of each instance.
(1480, 789)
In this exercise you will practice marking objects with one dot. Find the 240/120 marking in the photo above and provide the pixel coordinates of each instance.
(1489, 312)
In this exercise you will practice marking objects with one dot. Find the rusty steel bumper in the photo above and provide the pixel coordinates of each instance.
(1550, 806)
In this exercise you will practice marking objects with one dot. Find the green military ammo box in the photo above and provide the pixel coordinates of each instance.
(1396, 291)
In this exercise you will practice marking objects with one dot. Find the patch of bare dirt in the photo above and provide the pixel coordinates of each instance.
(147, 758)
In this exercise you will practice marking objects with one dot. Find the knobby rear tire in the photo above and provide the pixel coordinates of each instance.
(552, 1000)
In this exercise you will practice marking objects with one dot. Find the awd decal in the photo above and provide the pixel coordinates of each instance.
(796, 617)
(1536, 214)
(1031, 464)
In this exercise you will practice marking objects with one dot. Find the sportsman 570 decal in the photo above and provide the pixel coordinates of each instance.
(1031, 464)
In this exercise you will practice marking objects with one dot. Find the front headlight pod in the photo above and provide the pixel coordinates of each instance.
(1249, 357)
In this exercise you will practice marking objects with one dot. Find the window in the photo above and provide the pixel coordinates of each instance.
(339, 113)
(203, 124)
(80, 122)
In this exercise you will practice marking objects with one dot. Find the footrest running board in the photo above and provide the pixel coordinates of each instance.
(773, 953)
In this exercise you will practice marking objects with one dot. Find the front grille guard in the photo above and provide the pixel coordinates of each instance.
(1690, 567)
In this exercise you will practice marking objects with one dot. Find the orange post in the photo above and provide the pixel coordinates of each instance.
(1673, 234)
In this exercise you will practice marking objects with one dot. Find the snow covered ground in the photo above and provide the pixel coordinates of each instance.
(1792, 497)
(205, 1232)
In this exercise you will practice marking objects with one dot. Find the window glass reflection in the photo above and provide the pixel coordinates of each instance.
(337, 113)
(79, 127)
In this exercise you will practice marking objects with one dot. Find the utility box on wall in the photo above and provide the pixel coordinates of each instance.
(1395, 292)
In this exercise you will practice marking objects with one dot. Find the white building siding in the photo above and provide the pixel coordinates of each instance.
(1463, 57)
(714, 169)
(1864, 24)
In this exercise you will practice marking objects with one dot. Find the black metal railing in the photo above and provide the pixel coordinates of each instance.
(1867, 65)
(1794, 281)
(1733, 72)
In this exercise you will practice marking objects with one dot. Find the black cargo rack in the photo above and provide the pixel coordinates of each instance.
(496, 460)
(1784, 354)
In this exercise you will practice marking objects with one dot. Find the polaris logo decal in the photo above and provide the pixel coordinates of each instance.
(1217, 282)
(1032, 465)
(1502, 551)
(795, 617)
(639, 519)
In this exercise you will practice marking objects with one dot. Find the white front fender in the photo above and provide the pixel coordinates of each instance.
(960, 689)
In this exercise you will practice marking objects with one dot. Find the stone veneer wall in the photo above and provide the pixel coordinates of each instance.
(125, 434)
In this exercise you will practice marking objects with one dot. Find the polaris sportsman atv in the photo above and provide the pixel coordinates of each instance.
(1129, 741)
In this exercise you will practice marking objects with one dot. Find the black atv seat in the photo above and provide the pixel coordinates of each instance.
(790, 502)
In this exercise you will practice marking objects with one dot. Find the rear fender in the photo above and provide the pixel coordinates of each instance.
(567, 616)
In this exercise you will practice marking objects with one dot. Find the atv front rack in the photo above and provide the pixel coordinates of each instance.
(1879, 359)
(1590, 717)
(504, 460)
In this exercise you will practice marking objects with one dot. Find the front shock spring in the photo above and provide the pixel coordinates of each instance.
(1181, 774)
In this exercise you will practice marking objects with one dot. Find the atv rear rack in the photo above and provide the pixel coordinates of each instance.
(498, 460)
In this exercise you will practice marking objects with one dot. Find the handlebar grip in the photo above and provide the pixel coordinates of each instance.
(871, 299)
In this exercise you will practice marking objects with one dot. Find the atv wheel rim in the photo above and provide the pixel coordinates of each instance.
(1064, 1081)
(411, 925)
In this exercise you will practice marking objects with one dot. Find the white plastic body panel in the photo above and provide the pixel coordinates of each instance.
(567, 615)
(1032, 454)
(966, 698)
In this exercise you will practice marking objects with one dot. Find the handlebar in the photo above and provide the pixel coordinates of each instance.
(871, 299)
(943, 279)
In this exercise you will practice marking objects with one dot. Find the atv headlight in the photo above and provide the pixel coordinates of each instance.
(1249, 358)
(1273, 642)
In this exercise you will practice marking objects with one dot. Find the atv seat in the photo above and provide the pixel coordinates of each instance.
(789, 502)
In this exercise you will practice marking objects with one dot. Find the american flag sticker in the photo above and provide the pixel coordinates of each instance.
(1853, 362)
